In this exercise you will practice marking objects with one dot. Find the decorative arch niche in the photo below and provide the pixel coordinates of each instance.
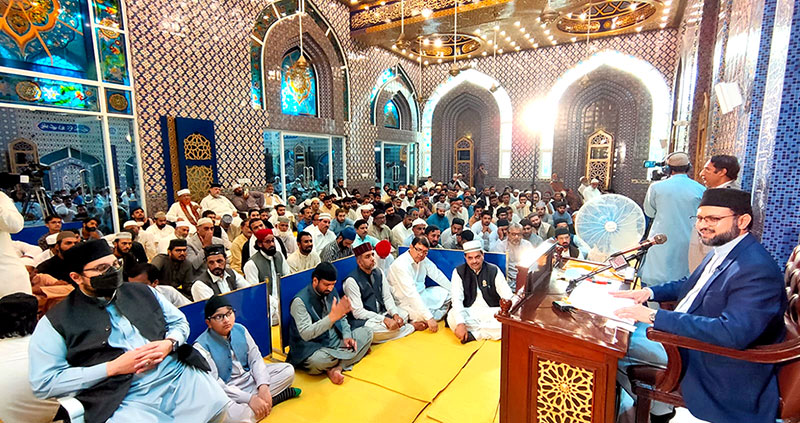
(276, 32)
(394, 85)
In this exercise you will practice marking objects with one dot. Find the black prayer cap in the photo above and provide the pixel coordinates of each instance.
(736, 200)
(177, 243)
(562, 231)
(467, 235)
(457, 221)
(214, 249)
(502, 223)
(324, 271)
(82, 253)
(214, 303)
(557, 221)
(215, 185)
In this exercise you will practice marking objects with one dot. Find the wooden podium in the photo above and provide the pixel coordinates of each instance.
(557, 367)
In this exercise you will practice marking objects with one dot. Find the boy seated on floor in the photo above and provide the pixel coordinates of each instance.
(253, 386)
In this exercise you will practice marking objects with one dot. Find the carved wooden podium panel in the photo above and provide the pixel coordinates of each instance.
(557, 367)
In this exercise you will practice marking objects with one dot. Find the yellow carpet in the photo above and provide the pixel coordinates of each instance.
(475, 393)
(353, 401)
(419, 365)
(422, 378)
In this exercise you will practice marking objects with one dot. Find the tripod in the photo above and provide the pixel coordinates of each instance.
(38, 195)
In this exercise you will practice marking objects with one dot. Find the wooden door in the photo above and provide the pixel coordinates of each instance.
(464, 158)
(599, 157)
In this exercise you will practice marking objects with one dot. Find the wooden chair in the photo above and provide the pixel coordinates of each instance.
(654, 384)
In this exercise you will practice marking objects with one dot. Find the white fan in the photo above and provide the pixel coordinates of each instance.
(609, 223)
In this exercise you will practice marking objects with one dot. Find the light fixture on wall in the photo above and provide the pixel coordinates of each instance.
(299, 70)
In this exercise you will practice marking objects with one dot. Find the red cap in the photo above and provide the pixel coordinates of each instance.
(261, 234)
(383, 248)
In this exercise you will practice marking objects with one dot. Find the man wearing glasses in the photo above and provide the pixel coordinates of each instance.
(735, 299)
(113, 346)
(407, 279)
(253, 386)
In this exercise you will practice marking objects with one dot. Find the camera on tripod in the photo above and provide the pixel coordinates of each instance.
(32, 173)
(657, 174)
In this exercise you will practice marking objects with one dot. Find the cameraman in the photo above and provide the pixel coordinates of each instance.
(15, 276)
(671, 203)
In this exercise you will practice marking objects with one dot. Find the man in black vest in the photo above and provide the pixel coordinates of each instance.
(267, 266)
(175, 270)
(119, 348)
(372, 301)
(563, 238)
(477, 287)
(320, 339)
(217, 278)
(123, 241)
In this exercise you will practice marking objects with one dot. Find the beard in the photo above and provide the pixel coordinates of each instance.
(219, 271)
(721, 239)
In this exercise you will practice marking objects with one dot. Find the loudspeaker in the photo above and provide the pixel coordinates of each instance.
(728, 96)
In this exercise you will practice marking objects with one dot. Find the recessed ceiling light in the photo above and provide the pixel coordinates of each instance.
(496, 27)
(517, 23)
(582, 16)
(411, 55)
(513, 43)
(536, 45)
(633, 6)
(663, 18)
(394, 47)
(478, 31)
(483, 54)
(502, 33)
(489, 42)
(403, 51)
(522, 30)
(508, 39)
(663, 25)
(419, 59)
(666, 11)
(546, 32)
(426, 42)
(426, 62)
(516, 48)
(353, 1)
(554, 42)
(500, 51)
(638, 29)
(573, 39)
(527, 35)
(426, 13)
(437, 42)
(438, 60)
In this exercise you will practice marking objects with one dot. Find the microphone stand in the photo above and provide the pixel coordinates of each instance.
(638, 255)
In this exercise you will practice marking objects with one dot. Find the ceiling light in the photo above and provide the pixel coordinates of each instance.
(508, 39)
(489, 42)
(546, 32)
(638, 29)
(583, 16)
(522, 30)
(478, 31)
(573, 39)
(535, 45)
(469, 56)
(517, 23)
(394, 47)
(516, 48)
(366, 7)
(483, 54)
(383, 3)
(496, 27)
(426, 42)
(419, 59)
(426, 13)
(438, 60)
(663, 18)
(554, 42)
(411, 55)
(666, 11)
(569, 15)
(353, 1)
(500, 51)
(426, 63)
(527, 35)
(403, 51)
(513, 43)
(437, 42)
(494, 46)
(502, 33)
(633, 7)
(663, 25)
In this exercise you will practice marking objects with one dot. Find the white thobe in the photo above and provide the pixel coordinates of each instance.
(288, 239)
(172, 295)
(400, 233)
(43, 256)
(251, 274)
(321, 240)
(479, 317)
(175, 213)
(17, 402)
(160, 237)
(590, 193)
(15, 276)
(374, 321)
(201, 291)
(272, 200)
(299, 262)
(243, 385)
(407, 280)
(220, 205)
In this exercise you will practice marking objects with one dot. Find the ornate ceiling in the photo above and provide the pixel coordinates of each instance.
(423, 30)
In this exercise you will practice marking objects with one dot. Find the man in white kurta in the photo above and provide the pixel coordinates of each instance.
(218, 203)
(160, 234)
(216, 278)
(381, 315)
(237, 364)
(516, 250)
(407, 279)
(472, 315)
(305, 257)
(15, 276)
(592, 191)
(184, 210)
(321, 233)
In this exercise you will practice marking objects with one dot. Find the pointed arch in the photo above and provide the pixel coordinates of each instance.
(470, 76)
(394, 84)
(547, 109)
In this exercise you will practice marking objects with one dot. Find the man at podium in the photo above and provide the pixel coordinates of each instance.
(734, 299)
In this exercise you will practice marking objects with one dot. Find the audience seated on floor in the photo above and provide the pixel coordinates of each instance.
(253, 387)
(267, 266)
(217, 278)
(320, 339)
(148, 274)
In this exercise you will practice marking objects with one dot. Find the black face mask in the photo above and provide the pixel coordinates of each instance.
(91, 229)
(106, 284)
(270, 251)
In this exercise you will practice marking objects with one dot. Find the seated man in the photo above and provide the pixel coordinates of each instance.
(175, 270)
(217, 277)
(196, 243)
(372, 301)
(563, 238)
(266, 265)
(477, 289)
(253, 386)
(341, 248)
(417, 230)
(113, 345)
(320, 339)
(736, 299)
(148, 274)
(516, 249)
(362, 234)
(407, 279)
(305, 257)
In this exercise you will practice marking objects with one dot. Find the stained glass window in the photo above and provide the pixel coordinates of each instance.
(47, 36)
(298, 86)
(113, 64)
(108, 13)
(47, 92)
(391, 116)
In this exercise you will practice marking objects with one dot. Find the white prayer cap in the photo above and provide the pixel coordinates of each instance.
(324, 216)
(204, 221)
(123, 235)
(595, 181)
(51, 239)
(185, 224)
(470, 246)
(235, 186)
(27, 261)
(130, 223)
(283, 219)
(441, 206)
(183, 192)
(403, 193)
(419, 222)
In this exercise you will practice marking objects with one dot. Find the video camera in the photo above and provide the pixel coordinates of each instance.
(659, 173)
(32, 174)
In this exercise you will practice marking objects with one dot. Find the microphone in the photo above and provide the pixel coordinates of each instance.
(655, 240)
